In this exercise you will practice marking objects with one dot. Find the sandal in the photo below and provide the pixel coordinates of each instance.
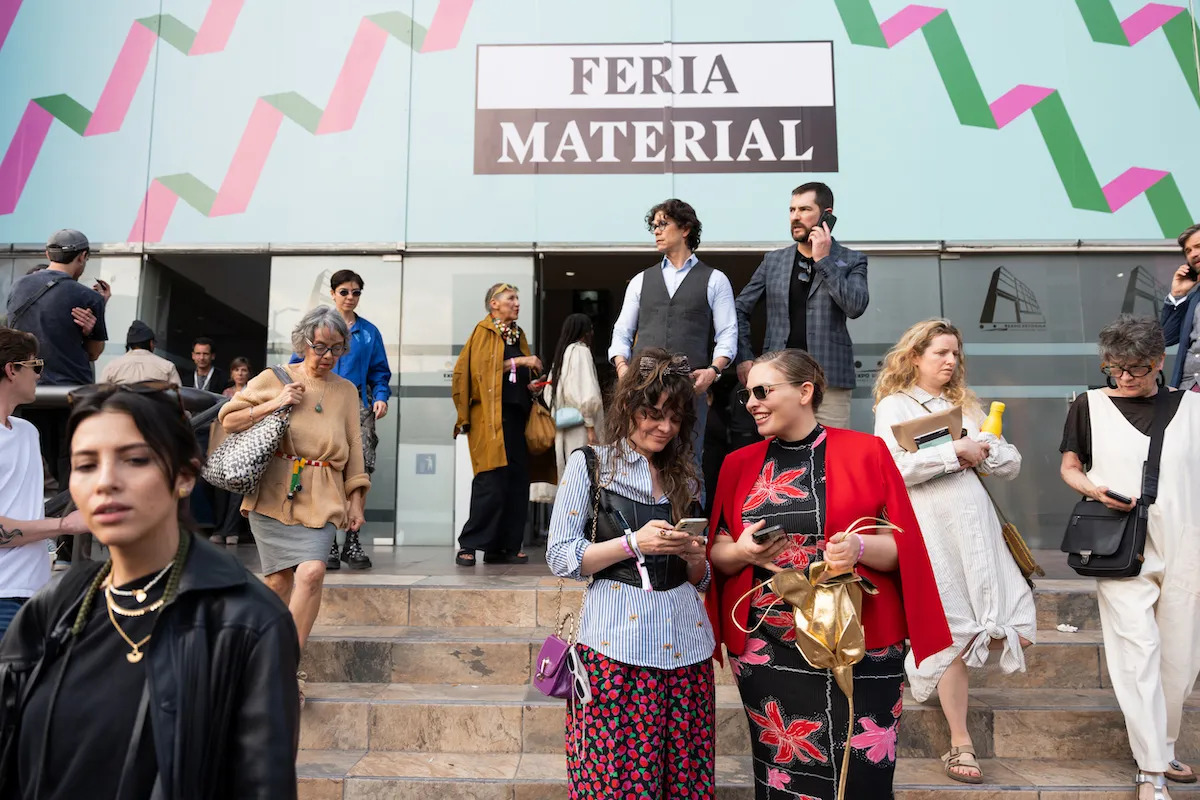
(962, 757)
(1159, 782)
(465, 558)
(1179, 772)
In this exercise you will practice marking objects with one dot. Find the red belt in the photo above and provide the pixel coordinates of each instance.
(304, 462)
(298, 465)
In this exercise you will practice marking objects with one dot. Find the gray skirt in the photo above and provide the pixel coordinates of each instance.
(282, 546)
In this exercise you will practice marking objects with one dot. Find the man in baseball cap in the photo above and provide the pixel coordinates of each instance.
(139, 362)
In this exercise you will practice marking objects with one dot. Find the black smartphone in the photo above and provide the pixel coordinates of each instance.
(827, 218)
(1120, 498)
(768, 534)
(1191, 273)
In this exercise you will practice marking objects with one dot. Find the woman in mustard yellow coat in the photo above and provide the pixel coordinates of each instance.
(491, 395)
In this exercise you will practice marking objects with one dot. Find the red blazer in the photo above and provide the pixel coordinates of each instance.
(861, 480)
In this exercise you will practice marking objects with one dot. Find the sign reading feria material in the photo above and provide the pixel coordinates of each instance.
(652, 108)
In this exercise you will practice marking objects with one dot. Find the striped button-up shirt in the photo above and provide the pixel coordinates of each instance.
(662, 630)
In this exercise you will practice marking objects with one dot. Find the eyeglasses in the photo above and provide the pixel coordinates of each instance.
(1115, 371)
(348, 292)
(98, 392)
(321, 349)
(35, 364)
(760, 392)
(661, 225)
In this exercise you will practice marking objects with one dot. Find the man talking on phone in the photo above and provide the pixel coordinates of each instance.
(812, 287)
(1180, 311)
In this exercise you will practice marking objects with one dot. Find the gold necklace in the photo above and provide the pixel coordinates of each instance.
(134, 655)
(139, 594)
(131, 612)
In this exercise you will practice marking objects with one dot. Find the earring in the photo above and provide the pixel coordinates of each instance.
(1160, 379)
(1110, 383)
(184, 491)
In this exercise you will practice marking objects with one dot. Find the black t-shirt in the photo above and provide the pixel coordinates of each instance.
(516, 394)
(1077, 433)
(60, 340)
(802, 268)
(94, 713)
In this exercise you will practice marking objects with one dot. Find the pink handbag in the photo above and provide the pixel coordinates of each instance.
(553, 676)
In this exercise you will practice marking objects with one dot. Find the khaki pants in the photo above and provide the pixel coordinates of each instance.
(835, 408)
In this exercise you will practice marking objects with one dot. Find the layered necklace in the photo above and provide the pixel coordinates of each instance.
(509, 331)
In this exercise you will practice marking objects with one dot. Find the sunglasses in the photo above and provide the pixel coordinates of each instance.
(322, 349)
(501, 289)
(98, 392)
(348, 292)
(35, 364)
(760, 392)
(1114, 371)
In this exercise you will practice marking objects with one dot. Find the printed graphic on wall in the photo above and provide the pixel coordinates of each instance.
(1010, 305)
(653, 108)
(1143, 294)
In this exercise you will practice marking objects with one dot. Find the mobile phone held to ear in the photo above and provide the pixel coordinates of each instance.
(827, 218)
(692, 526)
(768, 535)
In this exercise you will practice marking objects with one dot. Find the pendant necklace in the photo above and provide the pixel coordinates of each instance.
(140, 594)
(320, 407)
(135, 654)
(130, 612)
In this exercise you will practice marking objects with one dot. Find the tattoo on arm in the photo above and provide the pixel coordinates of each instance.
(6, 535)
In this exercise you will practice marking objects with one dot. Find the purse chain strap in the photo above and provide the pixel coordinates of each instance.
(576, 620)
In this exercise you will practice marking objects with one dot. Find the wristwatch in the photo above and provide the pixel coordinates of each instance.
(715, 369)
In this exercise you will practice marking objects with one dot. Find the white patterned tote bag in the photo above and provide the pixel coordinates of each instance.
(238, 464)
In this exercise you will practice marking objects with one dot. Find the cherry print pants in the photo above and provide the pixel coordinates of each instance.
(648, 734)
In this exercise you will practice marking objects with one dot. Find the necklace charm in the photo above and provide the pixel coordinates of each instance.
(319, 409)
(140, 595)
(135, 656)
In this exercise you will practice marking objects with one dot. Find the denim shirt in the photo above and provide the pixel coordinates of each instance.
(365, 364)
(661, 630)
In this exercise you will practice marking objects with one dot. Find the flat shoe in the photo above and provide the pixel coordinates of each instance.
(962, 757)
(1179, 772)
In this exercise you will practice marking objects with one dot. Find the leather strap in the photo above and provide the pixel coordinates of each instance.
(135, 741)
(1158, 432)
(47, 286)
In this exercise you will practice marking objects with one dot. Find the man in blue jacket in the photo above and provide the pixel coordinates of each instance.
(366, 366)
(1180, 312)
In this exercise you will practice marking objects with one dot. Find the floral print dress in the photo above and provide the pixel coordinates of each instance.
(798, 715)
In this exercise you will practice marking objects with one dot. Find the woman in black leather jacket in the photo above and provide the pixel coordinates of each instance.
(167, 672)
(645, 725)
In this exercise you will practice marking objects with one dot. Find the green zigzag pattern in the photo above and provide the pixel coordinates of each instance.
(1054, 122)
(1105, 27)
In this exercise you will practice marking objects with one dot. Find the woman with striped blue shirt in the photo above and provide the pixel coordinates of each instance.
(648, 729)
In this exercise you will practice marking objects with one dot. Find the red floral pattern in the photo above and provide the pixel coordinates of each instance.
(790, 739)
(776, 490)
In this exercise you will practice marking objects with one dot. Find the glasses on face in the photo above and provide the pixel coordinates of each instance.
(1115, 370)
(35, 364)
(661, 225)
(321, 349)
(348, 292)
(760, 392)
(100, 391)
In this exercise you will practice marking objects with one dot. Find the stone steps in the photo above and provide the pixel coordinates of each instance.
(360, 775)
(1004, 723)
(506, 655)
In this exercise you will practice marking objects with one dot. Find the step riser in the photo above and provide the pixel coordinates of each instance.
(1048, 666)
(459, 728)
(528, 607)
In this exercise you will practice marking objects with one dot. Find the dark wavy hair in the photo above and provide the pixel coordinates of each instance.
(575, 327)
(682, 214)
(651, 373)
(159, 417)
(16, 345)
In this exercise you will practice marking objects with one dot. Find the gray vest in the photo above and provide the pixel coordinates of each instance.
(679, 324)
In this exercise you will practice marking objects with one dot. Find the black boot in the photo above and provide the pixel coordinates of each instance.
(333, 561)
(352, 552)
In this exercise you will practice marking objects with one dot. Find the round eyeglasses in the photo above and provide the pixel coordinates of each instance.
(348, 292)
(321, 349)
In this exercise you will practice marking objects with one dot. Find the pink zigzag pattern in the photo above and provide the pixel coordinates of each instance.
(8, 13)
(1016, 101)
(339, 115)
(115, 99)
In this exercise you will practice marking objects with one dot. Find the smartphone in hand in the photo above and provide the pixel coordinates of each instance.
(768, 535)
(692, 526)
(1120, 498)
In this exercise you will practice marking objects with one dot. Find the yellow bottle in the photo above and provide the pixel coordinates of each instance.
(994, 423)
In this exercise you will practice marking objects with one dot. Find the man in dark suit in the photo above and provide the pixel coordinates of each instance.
(811, 289)
(1179, 313)
(206, 376)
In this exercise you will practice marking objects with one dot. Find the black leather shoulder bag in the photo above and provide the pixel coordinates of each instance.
(1103, 543)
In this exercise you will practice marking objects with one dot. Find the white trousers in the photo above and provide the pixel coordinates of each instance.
(835, 408)
(1151, 626)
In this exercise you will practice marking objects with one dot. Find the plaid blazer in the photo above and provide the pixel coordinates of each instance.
(838, 292)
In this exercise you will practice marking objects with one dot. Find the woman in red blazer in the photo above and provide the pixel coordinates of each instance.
(814, 482)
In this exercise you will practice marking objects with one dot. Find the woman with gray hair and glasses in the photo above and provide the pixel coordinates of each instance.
(317, 481)
(1151, 639)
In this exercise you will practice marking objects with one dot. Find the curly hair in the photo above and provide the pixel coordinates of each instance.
(1130, 340)
(900, 365)
(682, 214)
(652, 373)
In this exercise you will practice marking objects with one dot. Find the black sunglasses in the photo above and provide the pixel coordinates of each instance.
(348, 292)
(760, 392)
(35, 364)
(98, 392)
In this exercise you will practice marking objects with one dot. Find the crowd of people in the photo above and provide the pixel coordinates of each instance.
(201, 660)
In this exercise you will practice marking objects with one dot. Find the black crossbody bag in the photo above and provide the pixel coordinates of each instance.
(1103, 543)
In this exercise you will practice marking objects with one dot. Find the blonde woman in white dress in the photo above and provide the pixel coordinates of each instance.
(988, 604)
(573, 384)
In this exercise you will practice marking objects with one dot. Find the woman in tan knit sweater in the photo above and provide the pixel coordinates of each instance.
(317, 482)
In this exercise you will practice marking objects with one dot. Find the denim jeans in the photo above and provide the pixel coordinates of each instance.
(9, 606)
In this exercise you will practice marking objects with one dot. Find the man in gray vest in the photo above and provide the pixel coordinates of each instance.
(677, 304)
